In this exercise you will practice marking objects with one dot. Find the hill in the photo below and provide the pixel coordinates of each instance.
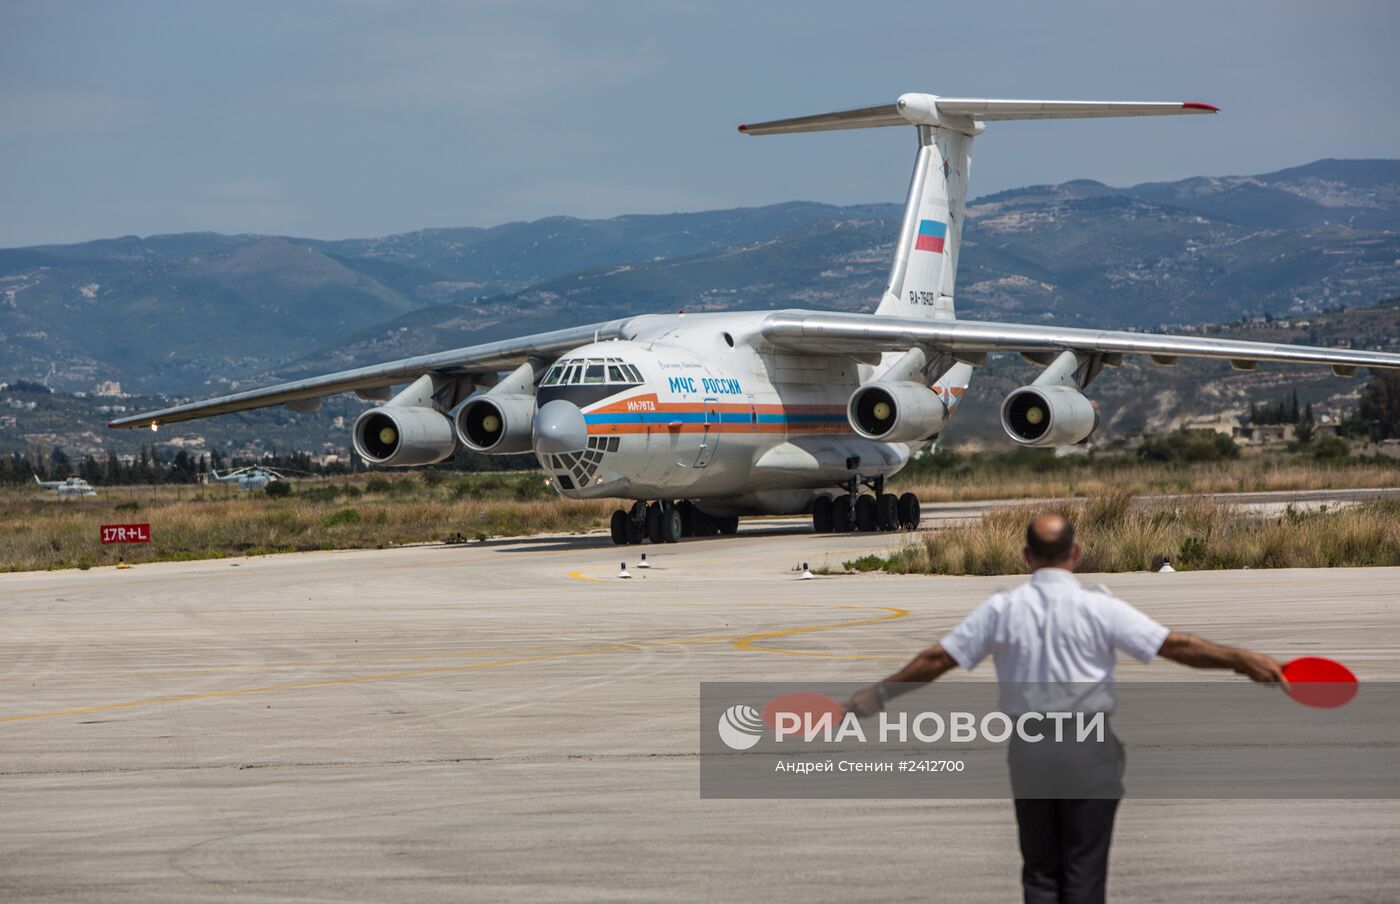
(196, 314)
(1133, 397)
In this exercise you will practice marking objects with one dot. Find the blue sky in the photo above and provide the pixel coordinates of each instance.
(371, 117)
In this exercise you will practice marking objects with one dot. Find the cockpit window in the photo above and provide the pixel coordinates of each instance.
(591, 371)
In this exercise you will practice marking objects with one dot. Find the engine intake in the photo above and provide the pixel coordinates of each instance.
(495, 424)
(896, 412)
(1048, 416)
(401, 437)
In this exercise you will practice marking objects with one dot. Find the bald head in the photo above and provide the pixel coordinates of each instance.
(1050, 542)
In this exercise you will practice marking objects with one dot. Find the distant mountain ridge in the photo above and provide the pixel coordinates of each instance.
(192, 313)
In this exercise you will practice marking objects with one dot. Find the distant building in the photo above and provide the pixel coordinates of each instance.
(1224, 423)
(1266, 434)
(108, 388)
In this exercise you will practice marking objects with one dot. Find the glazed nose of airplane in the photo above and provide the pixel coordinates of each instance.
(559, 427)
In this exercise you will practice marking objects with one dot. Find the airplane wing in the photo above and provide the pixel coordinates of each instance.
(853, 334)
(487, 358)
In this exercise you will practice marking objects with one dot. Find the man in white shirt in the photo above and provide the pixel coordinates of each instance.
(1052, 632)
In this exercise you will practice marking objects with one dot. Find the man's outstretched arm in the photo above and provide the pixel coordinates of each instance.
(1199, 653)
(922, 669)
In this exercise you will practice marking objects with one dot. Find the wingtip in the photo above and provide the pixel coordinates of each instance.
(743, 128)
(1197, 105)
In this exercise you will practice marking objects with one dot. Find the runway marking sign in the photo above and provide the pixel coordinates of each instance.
(125, 533)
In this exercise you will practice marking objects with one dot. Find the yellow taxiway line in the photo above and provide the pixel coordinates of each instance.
(745, 642)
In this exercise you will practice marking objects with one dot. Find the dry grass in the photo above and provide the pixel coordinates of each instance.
(1122, 534)
(197, 523)
(1248, 475)
(383, 509)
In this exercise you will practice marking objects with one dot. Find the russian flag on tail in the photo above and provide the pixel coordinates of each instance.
(931, 236)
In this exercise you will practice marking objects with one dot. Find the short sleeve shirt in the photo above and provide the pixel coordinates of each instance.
(1053, 630)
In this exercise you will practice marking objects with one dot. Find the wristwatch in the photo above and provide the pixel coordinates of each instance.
(882, 694)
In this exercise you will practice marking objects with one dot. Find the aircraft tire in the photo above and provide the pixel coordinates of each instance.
(887, 512)
(841, 513)
(654, 523)
(729, 526)
(821, 514)
(637, 523)
(688, 517)
(672, 524)
(618, 527)
(865, 513)
(909, 511)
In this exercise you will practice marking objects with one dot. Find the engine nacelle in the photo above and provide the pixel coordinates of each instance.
(1048, 416)
(899, 412)
(495, 424)
(402, 436)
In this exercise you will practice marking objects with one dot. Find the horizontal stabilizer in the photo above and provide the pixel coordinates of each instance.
(931, 110)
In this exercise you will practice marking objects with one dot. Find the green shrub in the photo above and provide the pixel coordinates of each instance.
(1331, 448)
(344, 516)
(1190, 446)
(278, 489)
(328, 493)
(865, 563)
(530, 486)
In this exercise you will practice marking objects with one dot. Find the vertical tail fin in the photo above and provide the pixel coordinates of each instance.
(926, 258)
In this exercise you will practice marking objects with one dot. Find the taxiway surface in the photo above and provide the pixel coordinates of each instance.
(508, 721)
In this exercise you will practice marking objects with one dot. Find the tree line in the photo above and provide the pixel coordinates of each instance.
(148, 466)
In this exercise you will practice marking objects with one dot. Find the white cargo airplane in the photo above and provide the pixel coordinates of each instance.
(702, 418)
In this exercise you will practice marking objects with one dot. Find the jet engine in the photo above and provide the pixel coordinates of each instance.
(495, 424)
(1048, 416)
(896, 412)
(403, 436)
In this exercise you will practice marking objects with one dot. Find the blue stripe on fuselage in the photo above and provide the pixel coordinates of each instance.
(698, 417)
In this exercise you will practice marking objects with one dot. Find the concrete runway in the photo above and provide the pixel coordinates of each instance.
(507, 721)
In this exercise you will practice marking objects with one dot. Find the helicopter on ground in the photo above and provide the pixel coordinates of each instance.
(253, 477)
(73, 486)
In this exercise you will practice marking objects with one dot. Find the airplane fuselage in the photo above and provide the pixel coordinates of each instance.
(693, 407)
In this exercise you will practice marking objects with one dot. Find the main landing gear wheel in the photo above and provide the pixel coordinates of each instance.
(672, 524)
(821, 514)
(865, 513)
(887, 512)
(909, 511)
(728, 526)
(654, 533)
(637, 523)
(618, 527)
(841, 513)
(688, 517)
